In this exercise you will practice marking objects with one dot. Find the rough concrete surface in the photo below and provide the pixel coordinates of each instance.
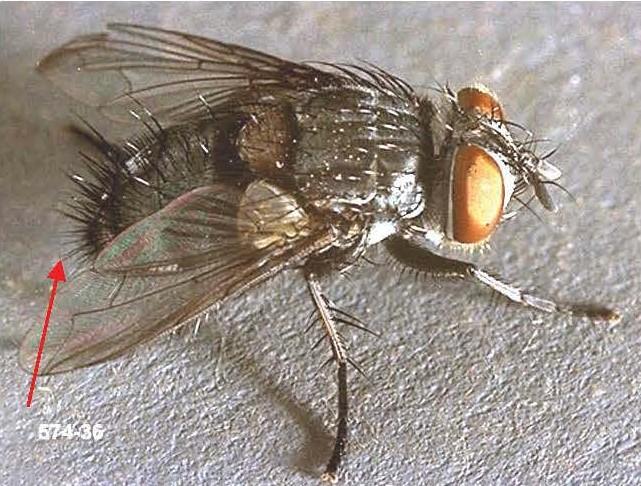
(463, 390)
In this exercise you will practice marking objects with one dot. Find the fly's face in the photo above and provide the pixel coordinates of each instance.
(479, 167)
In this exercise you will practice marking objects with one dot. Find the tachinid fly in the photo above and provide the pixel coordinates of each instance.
(249, 165)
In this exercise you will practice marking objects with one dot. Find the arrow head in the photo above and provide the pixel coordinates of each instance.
(57, 272)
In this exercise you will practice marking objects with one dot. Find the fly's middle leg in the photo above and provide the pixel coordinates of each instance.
(328, 321)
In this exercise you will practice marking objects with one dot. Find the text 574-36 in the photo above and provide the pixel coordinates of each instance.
(71, 431)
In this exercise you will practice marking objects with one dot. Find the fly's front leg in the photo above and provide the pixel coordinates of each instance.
(339, 354)
(424, 260)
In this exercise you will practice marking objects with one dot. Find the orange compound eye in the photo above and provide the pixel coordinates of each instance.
(481, 100)
(477, 194)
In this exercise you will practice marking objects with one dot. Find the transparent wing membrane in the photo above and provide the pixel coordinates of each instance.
(194, 230)
(176, 76)
(171, 266)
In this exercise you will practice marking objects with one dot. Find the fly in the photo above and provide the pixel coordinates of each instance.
(250, 165)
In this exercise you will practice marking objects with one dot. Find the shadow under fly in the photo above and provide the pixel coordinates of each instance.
(250, 165)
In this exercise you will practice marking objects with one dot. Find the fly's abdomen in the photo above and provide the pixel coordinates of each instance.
(142, 177)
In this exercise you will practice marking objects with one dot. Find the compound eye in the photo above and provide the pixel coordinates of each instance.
(477, 193)
(481, 100)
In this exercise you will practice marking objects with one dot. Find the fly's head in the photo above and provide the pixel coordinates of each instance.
(477, 169)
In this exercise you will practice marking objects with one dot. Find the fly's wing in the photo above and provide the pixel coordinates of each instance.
(197, 228)
(135, 70)
(206, 245)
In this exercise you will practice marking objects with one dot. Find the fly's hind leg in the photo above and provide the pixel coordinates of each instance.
(423, 260)
(339, 354)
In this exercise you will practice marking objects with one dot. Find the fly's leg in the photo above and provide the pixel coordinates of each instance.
(424, 260)
(328, 321)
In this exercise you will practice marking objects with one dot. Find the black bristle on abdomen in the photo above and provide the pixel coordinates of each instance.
(124, 183)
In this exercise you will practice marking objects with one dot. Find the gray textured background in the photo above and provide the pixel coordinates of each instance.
(462, 391)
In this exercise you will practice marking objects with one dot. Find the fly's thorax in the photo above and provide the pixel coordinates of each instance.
(400, 194)
(350, 140)
(267, 139)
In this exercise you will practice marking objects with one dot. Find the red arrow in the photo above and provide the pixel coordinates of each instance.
(57, 274)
